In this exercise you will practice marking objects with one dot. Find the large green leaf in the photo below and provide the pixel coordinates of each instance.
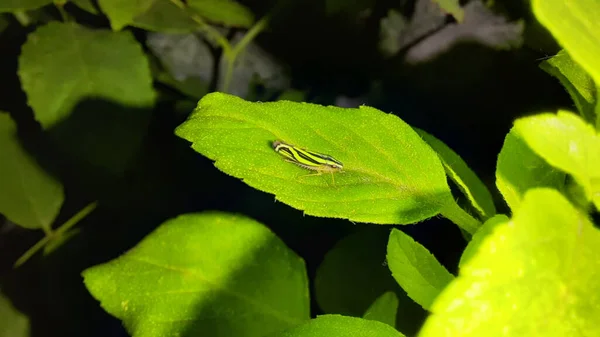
(13, 322)
(353, 275)
(155, 15)
(224, 12)
(468, 182)
(477, 239)
(567, 142)
(417, 271)
(384, 309)
(578, 83)
(519, 169)
(341, 326)
(575, 26)
(210, 274)
(30, 196)
(91, 88)
(391, 175)
(537, 275)
(22, 5)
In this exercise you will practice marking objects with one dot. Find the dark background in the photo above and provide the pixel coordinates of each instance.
(467, 96)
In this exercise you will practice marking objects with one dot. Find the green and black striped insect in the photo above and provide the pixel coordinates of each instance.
(319, 162)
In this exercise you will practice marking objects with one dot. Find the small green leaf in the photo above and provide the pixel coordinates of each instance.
(415, 269)
(468, 182)
(91, 88)
(391, 176)
(354, 274)
(578, 83)
(30, 196)
(224, 12)
(13, 322)
(87, 5)
(537, 275)
(341, 326)
(453, 8)
(384, 309)
(480, 235)
(22, 5)
(519, 169)
(567, 142)
(154, 15)
(212, 274)
(575, 26)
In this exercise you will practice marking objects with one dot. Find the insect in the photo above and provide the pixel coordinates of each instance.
(309, 160)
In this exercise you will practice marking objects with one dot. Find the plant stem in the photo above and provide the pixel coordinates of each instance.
(464, 220)
(22, 17)
(52, 235)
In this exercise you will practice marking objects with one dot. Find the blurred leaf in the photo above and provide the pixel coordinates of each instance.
(484, 231)
(292, 95)
(391, 28)
(341, 326)
(417, 271)
(578, 83)
(30, 196)
(13, 322)
(391, 176)
(224, 12)
(87, 5)
(566, 142)
(453, 8)
(480, 25)
(154, 15)
(575, 26)
(460, 173)
(384, 309)
(353, 275)
(537, 275)
(211, 274)
(22, 5)
(91, 88)
(519, 169)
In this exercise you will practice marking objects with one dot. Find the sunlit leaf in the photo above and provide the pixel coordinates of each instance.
(468, 182)
(391, 176)
(384, 309)
(210, 274)
(225, 12)
(567, 142)
(341, 326)
(30, 197)
(486, 229)
(519, 169)
(575, 25)
(537, 275)
(578, 83)
(154, 15)
(91, 89)
(417, 271)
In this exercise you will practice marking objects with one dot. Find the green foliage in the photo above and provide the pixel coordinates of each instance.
(485, 230)
(415, 269)
(209, 273)
(13, 323)
(391, 177)
(31, 197)
(536, 275)
(575, 25)
(520, 169)
(341, 326)
(567, 142)
(20, 5)
(73, 79)
(225, 12)
(384, 309)
(452, 7)
(460, 173)
(156, 15)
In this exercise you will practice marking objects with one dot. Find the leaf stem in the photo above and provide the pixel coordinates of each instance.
(63, 13)
(22, 17)
(53, 235)
(460, 217)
